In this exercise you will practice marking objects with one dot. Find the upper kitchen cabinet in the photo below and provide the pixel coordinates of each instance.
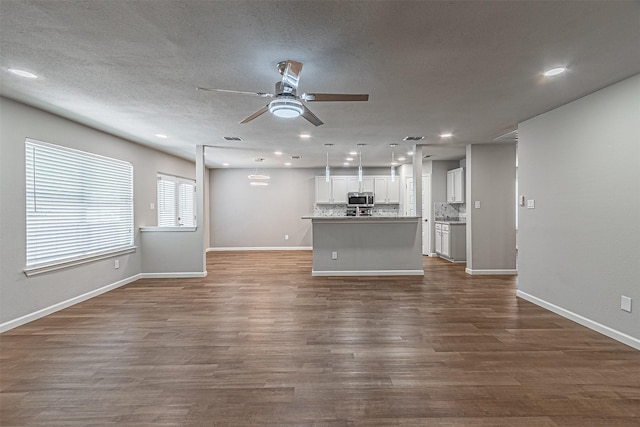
(353, 184)
(387, 191)
(455, 185)
(332, 192)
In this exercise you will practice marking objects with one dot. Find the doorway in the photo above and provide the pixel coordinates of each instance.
(426, 211)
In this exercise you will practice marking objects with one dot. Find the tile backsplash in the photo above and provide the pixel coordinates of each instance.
(447, 211)
(341, 210)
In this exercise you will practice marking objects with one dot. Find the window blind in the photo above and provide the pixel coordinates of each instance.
(78, 204)
(176, 202)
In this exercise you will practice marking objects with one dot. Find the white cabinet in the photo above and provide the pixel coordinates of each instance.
(339, 189)
(354, 185)
(332, 192)
(451, 241)
(323, 190)
(335, 191)
(386, 190)
(438, 238)
(455, 185)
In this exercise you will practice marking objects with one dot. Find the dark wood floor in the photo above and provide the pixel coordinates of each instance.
(260, 342)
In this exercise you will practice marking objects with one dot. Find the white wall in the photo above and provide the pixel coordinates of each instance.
(491, 230)
(243, 216)
(21, 296)
(579, 249)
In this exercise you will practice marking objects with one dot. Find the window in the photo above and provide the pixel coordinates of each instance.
(79, 205)
(176, 201)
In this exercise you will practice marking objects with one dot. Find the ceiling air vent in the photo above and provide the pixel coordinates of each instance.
(296, 157)
(427, 156)
(233, 138)
(413, 138)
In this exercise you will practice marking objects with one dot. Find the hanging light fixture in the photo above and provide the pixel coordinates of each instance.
(258, 179)
(327, 171)
(393, 162)
(360, 162)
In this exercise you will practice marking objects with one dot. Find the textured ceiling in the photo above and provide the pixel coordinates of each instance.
(471, 68)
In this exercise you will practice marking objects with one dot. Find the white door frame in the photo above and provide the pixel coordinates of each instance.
(426, 211)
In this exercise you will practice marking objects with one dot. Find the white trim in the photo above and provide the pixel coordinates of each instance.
(174, 275)
(591, 324)
(490, 272)
(167, 229)
(368, 273)
(64, 304)
(258, 248)
(59, 265)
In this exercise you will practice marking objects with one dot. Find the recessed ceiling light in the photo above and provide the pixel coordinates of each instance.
(287, 164)
(278, 153)
(225, 164)
(305, 135)
(346, 164)
(402, 159)
(409, 153)
(353, 153)
(349, 159)
(446, 135)
(554, 71)
(22, 73)
(161, 135)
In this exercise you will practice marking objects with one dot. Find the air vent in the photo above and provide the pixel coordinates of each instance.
(413, 138)
(296, 157)
(427, 156)
(233, 138)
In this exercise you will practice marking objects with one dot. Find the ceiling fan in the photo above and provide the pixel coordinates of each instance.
(286, 102)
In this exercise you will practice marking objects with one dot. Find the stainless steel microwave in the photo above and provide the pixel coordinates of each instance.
(356, 199)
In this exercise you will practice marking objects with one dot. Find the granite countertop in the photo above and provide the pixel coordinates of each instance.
(451, 221)
(362, 218)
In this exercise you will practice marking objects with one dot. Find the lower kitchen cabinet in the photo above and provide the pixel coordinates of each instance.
(451, 241)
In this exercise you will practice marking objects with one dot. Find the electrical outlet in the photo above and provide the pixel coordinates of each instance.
(116, 264)
(334, 255)
(286, 237)
(152, 206)
(625, 303)
(531, 204)
(477, 204)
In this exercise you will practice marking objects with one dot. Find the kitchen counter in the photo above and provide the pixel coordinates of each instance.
(451, 221)
(366, 246)
(362, 218)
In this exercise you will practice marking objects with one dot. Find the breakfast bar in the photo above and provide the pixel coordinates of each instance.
(366, 246)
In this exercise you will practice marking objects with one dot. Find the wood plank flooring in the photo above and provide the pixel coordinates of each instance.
(259, 342)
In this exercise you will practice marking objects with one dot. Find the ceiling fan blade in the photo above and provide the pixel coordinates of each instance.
(210, 89)
(290, 71)
(313, 119)
(320, 97)
(256, 114)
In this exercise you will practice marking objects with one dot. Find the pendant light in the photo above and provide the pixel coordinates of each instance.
(393, 162)
(360, 162)
(258, 179)
(327, 171)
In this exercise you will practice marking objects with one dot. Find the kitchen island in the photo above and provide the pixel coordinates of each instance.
(366, 246)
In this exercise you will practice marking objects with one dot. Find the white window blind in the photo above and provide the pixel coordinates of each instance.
(176, 202)
(78, 204)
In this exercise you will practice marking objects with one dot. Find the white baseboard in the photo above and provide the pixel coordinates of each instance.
(490, 272)
(174, 275)
(64, 304)
(369, 273)
(261, 248)
(591, 324)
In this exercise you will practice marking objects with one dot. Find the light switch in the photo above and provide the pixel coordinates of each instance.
(152, 206)
(477, 204)
(521, 200)
(531, 204)
(625, 303)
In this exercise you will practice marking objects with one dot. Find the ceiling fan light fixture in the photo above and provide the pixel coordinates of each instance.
(286, 108)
